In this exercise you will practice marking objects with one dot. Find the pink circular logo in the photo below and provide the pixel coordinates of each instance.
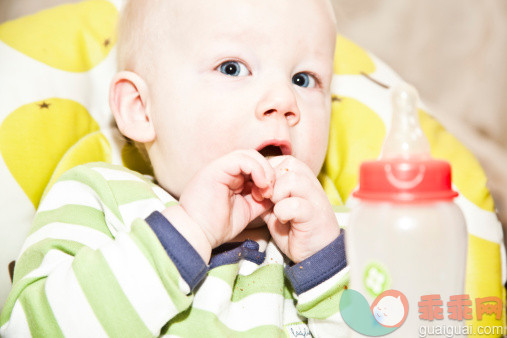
(390, 308)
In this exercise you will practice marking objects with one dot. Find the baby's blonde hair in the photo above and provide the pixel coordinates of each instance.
(133, 34)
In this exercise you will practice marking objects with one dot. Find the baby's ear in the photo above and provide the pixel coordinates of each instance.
(129, 102)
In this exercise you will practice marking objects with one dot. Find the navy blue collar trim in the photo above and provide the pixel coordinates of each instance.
(231, 253)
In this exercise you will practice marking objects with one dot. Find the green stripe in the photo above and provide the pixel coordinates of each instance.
(288, 290)
(32, 257)
(341, 209)
(227, 273)
(327, 304)
(106, 297)
(72, 214)
(13, 297)
(269, 279)
(117, 168)
(95, 181)
(131, 191)
(199, 323)
(38, 312)
(150, 246)
(170, 203)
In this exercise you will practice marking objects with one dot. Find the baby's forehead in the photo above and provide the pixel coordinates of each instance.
(149, 26)
(182, 15)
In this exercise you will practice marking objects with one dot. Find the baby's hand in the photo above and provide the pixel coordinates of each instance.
(302, 221)
(222, 199)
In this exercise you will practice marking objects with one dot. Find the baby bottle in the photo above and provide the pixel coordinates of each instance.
(405, 232)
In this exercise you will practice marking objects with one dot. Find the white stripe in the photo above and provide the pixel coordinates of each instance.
(139, 209)
(17, 326)
(184, 287)
(63, 193)
(480, 223)
(318, 290)
(139, 282)
(246, 268)
(342, 218)
(164, 196)
(273, 255)
(48, 264)
(111, 174)
(78, 233)
(290, 313)
(214, 296)
(70, 307)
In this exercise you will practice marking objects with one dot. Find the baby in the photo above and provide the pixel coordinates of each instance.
(231, 101)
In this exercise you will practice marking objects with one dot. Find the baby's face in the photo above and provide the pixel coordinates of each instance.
(240, 74)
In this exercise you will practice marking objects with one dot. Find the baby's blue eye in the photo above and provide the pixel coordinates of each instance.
(234, 68)
(304, 80)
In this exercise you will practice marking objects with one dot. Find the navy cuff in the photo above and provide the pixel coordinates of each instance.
(188, 262)
(319, 267)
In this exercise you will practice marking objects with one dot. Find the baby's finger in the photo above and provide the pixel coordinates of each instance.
(265, 182)
(256, 193)
(268, 170)
(285, 164)
(237, 184)
(295, 209)
(257, 208)
(293, 184)
(279, 231)
(239, 163)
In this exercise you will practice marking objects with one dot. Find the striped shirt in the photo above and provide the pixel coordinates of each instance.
(101, 260)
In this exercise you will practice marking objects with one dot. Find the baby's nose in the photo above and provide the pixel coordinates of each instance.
(279, 101)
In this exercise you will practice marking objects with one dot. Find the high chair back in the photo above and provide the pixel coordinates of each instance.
(55, 70)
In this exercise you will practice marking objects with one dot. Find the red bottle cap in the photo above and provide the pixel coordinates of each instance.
(400, 180)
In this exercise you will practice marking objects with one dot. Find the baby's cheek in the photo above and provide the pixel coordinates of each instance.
(315, 140)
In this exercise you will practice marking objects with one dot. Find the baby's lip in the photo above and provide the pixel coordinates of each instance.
(284, 145)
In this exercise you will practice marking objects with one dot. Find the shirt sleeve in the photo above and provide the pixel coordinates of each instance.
(83, 270)
(318, 282)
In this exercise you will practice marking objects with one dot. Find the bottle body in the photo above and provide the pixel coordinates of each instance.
(417, 248)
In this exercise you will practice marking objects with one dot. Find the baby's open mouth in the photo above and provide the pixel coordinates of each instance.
(275, 148)
(271, 151)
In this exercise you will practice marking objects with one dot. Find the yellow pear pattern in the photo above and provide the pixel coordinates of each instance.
(483, 264)
(56, 36)
(356, 135)
(134, 160)
(467, 173)
(93, 147)
(34, 138)
(350, 59)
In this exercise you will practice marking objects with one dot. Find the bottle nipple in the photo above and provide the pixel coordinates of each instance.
(405, 139)
(405, 171)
